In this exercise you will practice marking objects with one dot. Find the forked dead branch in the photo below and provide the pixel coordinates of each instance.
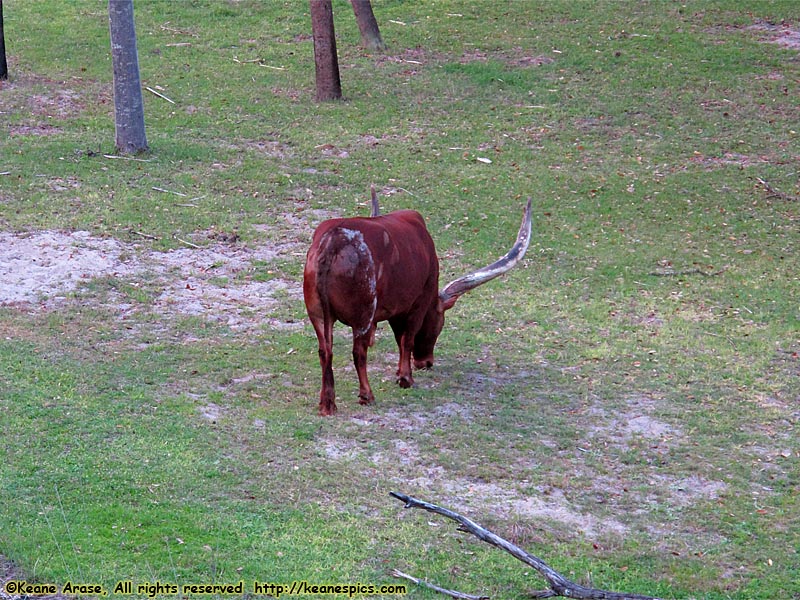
(560, 586)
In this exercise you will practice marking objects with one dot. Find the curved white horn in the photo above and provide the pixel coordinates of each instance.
(456, 288)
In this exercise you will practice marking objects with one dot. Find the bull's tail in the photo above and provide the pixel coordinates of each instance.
(324, 260)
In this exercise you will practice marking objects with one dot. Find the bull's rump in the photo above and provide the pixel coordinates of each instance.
(363, 270)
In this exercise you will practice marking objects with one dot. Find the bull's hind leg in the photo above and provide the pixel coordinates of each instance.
(361, 344)
(327, 395)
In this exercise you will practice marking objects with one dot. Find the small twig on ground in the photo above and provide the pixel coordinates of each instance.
(407, 192)
(772, 192)
(146, 236)
(244, 62)
(559, 585)
(160, 189)
(673, 273)
(179, 31)
(116, 157)
(436, 588)
(162, 96)
(190, 203)
(258, 61)
(190, 244)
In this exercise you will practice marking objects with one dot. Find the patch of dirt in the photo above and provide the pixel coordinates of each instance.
(551, 505)
(413, 56)
(34, 130)
(635, 425)
(56, 103)
(686, 491)
(50, 98)
(625, 427)
(49, 264)
(504, 500)
(269, 148)
(517, 58)
(10, 572)
(292, 94)
(728, 158)
(783, 34)
(400, 419)
(530, 61)
(211, 411)
(217, 282)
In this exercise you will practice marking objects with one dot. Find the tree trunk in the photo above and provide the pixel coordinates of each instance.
(128, 103)
(329, 86)
(3, 63)
(368, 26)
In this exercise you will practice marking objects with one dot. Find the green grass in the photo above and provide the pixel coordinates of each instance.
(620, 414)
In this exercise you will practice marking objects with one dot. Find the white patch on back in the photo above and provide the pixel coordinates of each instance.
(353, 235)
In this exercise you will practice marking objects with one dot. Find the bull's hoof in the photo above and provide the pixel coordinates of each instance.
(364, 399)
(327, 410)
(405, 382)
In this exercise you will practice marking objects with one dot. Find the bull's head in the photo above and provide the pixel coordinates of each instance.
(426, 338)
(361, 271)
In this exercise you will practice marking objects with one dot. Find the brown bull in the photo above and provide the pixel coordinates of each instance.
(364, 270)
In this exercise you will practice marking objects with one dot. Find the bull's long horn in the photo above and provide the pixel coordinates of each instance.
(456, 288)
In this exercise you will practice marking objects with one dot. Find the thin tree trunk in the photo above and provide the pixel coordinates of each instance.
(128, 103)
(368, 26)
(3, 63)
(329, 86)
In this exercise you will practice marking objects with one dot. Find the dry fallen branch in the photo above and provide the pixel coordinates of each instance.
(559, 585)
(772, 192)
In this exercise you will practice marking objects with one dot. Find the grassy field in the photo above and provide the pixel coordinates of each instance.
(624, 404)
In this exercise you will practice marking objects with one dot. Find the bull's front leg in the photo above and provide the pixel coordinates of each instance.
(405, 343)
(361, 343)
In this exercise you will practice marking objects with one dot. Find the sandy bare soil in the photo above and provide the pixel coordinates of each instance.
(224, 282)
